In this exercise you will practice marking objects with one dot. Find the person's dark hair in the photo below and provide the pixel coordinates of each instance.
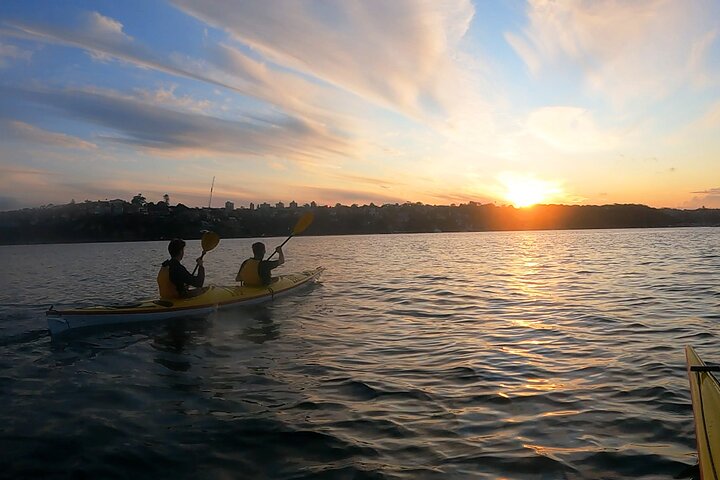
(175, 247)
(258, 249)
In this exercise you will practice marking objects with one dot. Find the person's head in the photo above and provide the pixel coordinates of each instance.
(258, 249)
(176, 248)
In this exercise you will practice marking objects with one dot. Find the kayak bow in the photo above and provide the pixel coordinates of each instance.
(705, 394)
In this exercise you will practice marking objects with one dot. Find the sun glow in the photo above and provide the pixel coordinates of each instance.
(524, 191)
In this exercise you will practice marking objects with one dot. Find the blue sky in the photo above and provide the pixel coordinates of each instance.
(442, 102)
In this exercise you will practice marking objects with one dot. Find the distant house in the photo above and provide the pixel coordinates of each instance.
(159, 209)
(279, 205)
(117, 207)
(229, 206)
(101, 208)
(293, 204)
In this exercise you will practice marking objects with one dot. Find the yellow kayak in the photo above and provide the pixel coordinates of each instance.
(705, 394)
(214, 298)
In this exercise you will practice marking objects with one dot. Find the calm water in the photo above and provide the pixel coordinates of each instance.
(524, 355)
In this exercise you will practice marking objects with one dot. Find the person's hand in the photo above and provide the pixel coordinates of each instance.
(199, 261)
(278, 250)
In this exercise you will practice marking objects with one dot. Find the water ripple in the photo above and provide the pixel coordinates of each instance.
(528, 355)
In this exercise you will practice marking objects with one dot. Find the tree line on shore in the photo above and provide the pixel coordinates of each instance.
(119, 220)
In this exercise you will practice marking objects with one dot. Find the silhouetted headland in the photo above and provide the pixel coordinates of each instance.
(119, 220)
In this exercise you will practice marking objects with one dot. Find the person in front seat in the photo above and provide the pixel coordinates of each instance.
(256, 272)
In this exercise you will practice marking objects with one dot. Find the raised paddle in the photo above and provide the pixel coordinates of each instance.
(300, 227)
(209, 241)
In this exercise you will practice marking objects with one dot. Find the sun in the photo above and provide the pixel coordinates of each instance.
(525, 191)
(524, 198)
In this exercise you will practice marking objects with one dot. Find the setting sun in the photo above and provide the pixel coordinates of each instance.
(524, 191)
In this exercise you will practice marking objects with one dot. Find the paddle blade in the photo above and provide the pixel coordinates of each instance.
(209, 241)
(303, 223)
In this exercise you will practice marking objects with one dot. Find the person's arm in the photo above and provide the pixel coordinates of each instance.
(281, 257)
(193, 280)
(199, 279)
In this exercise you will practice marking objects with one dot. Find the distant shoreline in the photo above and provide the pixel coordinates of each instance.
(120, 221)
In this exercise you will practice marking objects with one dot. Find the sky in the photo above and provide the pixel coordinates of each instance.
(359, 101)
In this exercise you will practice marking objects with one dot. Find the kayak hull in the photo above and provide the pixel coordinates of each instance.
(215, 298)
(705, 394)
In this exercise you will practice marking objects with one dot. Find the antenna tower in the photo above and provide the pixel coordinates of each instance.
(211, 190)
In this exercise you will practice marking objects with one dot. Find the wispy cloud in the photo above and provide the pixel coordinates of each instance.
(710, 120)
(329, 195)
(222, 65)
(626, 50)
(138, 122)
(407, 59)
(104, 38)
(11, 52)
(365, 180)
(709, 198)
(291, 92)
(699, 132)
(7, 170)
(570, 129)
(395, 53)
(166, 97)
(22, 186)
(29, 133)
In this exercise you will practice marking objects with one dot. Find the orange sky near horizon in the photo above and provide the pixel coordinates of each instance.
(518, 102)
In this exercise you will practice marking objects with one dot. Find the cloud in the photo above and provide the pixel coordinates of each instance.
(30, 187)
(570, 129)
(402, 55)
(709, 198)
(22, 186)
(137, 122)
(366, 180)
(104, 39)
(643, 49)
(105, 27)
(709, 121)
(710, 191)
(166, 97)
(11, 52)
(224, 66)
(395, 53)
(11, 170)
(289, 91)
(29, 133)
(329, 195)
(700, 132)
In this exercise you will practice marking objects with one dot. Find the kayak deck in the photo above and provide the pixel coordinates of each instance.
(214, 298)
(705, 394)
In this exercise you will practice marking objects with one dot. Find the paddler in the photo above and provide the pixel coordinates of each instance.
(256, 272)
(174, 279)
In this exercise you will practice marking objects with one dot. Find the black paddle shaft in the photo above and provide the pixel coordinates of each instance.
(281, 245)
(197, 264)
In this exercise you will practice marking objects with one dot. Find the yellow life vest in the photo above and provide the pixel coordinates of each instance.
(166, 287)
(249, 273)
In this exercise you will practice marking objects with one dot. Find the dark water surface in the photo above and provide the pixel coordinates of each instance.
(524, 355)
